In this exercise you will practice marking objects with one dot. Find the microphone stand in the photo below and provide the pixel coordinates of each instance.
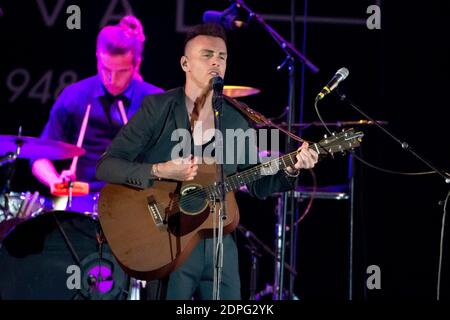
(289, 48)
(291, 55)
(217, 102)
(403, 144)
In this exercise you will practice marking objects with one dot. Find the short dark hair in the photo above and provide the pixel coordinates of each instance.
(206, 29)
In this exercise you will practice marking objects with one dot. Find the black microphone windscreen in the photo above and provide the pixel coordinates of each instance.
(217, 84)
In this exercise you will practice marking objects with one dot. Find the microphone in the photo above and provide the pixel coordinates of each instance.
(228, 18)
(217, 85)
(340, 75)
(217, 98)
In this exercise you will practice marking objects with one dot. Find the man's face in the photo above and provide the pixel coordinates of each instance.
(205, 57)
(116, 71)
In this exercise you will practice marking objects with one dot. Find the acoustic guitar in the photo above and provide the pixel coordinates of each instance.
(152, 231)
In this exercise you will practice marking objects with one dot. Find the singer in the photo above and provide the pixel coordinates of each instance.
(141, 153)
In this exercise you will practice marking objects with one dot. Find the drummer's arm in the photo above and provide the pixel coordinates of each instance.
(57, 128)
(45, 172)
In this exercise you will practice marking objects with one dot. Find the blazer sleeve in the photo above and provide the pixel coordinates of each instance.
(119, 164)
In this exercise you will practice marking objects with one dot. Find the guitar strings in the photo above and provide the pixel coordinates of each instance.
(250, 173)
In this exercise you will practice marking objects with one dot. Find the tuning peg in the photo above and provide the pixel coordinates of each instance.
(325, 136)
(333, 134)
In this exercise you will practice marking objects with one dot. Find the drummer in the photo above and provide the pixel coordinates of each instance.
(114, 94)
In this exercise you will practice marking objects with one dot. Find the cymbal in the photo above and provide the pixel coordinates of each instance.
(239, 91)
(35, 148)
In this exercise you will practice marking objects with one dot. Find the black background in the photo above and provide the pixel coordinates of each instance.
(398, 74)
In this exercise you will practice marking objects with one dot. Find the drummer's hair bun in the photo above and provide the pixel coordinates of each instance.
(133, 27)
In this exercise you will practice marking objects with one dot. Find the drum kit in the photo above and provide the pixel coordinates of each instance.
(48, 253)
(16, 207)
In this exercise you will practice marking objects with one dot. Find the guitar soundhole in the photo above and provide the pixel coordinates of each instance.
(193, 199)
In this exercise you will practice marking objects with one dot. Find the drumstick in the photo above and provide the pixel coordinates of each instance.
(73, 166)
(28, 205)
(122, 112)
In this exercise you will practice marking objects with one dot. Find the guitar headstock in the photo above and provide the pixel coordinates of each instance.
(348, 139)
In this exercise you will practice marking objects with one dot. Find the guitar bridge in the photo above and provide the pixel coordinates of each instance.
(154, 212)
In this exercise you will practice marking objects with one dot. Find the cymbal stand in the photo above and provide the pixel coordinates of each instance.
(255, 254)
(254, 240)
(11, 157)
(351, 181)
(70, 197)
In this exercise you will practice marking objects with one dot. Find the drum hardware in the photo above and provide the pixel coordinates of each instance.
(37, 269)
(23, 147)
(67, 241)
(17, 207)
(254, 244)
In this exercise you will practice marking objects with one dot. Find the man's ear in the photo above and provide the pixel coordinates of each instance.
(184, 63)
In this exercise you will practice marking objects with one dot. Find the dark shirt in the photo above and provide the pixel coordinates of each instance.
(68, 112)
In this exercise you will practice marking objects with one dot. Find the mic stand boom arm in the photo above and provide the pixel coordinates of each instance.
(403, 144)
(287, 47)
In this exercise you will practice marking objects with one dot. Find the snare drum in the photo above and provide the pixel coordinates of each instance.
(87, 204)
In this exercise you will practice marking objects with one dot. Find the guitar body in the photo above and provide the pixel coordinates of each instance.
(152, 231)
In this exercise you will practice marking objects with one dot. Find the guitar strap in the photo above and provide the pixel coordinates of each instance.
(257, 117)
(251, 114)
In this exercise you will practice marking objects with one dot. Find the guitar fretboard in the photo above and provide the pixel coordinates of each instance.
(257, 172)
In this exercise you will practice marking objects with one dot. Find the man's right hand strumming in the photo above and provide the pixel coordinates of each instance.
(180, 169)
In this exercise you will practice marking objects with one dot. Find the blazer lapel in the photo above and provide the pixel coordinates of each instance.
(180, 115)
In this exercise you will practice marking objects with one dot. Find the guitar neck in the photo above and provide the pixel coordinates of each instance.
(257, 172)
